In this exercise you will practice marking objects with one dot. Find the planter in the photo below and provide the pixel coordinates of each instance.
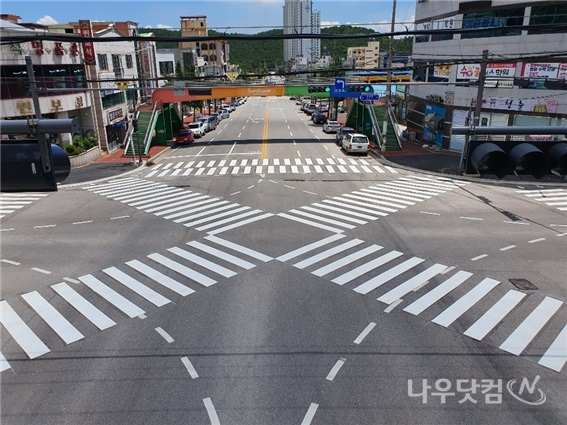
(85, 158)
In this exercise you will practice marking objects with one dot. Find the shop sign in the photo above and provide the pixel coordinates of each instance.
(562, 71)
(442, 71)
(469, 71)
(505, 84)
(74, 49)
(58, 50)
(540, 70)
(88, 47)
(117, 114)
(520, 104)
(37, 45)
(501, 70)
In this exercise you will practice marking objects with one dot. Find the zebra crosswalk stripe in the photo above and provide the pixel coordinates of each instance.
(110, 295)
(310, 223)
(366, 267)
(4, 365)
(136, 286)
(221, 254)
(409, 285)
(556, 355)
(160, 278)
(202, 262)
(388, 275)
(22, 334)
(347, 260)
(62, 327)
(308, 248)
(240, 223)
(329, 252)
(239, 248)
(183, 270)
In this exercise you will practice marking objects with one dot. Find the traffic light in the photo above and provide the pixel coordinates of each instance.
(360, 88)
(319, 89)
(537, 158)
(135, 125)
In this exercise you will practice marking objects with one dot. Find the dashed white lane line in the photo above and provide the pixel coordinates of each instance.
(45, 226)
(289, 187)
(429, 213)
(14, 263)
(310, 414)
(536, 240)
(165, 335)
(37, 269)
(189, 366)
(479, 257)
(68, 279)
(506, 248)
(472, 218)
(6, 230)
(211, 411)
(83, 222)
(394, 304)
(336, 369)
(118, 218)
(235, 193)
(364, 333)
(517, 222)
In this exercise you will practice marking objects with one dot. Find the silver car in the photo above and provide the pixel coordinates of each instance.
(331, 127)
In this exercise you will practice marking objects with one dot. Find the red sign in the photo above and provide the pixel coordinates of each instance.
(88, 47)
(37, 45)
(58, 48)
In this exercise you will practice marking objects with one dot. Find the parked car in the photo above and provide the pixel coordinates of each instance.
(319, 118)
(355, 143)
(198, 128)
(331, 127)
(309, 109)
(216, 116)
(342, 132)
(323, 108)
(212, 122)
(184, 137)
(205, 122)
(223, 114)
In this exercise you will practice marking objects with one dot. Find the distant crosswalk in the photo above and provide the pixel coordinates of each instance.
(556, 198)
(11, 202)
(192, 209)
(121, 292)
(269, 166)
(393, 277)
(350, 210)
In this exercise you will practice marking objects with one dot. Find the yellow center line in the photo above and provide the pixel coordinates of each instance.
(265, 135)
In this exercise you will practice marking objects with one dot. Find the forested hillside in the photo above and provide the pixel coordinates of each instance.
(267, 55)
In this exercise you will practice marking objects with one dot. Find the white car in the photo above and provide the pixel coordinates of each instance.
(355, 143)
(331, 127)
(224, 113)
(198, 128)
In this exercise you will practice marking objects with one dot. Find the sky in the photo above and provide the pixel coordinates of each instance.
(232, 16)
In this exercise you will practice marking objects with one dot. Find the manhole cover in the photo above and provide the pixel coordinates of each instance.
(523, 284)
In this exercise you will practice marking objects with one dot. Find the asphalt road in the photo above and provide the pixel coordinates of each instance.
(262, 276)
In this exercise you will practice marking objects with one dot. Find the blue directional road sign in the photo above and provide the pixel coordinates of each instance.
(364, 97)
(340, 85)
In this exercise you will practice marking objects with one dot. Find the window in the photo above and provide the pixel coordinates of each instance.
(493, 19)
(204, 46)
(116, 62)
(212, 46)
(129, 63)
(548, 15)
(15, 82)
(166, 68)
(102, 62)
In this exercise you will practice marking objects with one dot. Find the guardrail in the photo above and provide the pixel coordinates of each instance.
(151, 127)
(395, 124)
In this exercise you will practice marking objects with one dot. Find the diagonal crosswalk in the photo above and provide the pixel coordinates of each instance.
(392, 276)
(347, 211)
(556, 198)
(120, 292)
(192, 209)
(11, 202)
(269, 166)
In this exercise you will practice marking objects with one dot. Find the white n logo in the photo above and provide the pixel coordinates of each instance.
(526, 384)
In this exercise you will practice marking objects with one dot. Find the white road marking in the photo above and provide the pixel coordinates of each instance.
(239, 248)
(556, 355)
(113, 297)
(192, 372)
(165, 335)
(479, 257)
(364, 333)
(365, 268)
(181, 269)
(506, 248)
(211, 411)
(14, 263)
(3, 363)
(83, 222)
(68, 279)
(409, 285)
(136, 286)
(388, 275)
(119, 217)
(536, 240)
(472, 218)
(336, 369)
(21, 333)
(37, 269)
(45, 226)
(310, 414)
(393, 305)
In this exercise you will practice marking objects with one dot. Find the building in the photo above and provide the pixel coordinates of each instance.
(517, 91)
(166, 60)
(364, 57)
(300, 18)
(58, 67)
(210, 58)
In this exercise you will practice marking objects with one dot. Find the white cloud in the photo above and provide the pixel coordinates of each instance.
(163, 26)
(325, 24)
(46, 20)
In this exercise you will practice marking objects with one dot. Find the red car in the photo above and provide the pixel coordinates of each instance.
(184, 137)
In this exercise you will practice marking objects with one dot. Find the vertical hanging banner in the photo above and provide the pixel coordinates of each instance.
(88, 46)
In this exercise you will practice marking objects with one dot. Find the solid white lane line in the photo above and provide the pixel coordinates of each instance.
(203, 262)
(239, 248)
(310, 414)
(160, 278)
(211, 411)
(346, 260)
(409, 285)
(113, 297)
(437, 293)
(531, 326)
(388, 275)
(14, 263)
(536, 240)
(459, 307)
(21, 333)
(53, 318)
(364, 333)
(479, 329)
(136, 286)
(79, 303)
(365, 268)
(328, 253)
(165, 335)
(181, 269)
(310, 247)
(189, 366)
(335, 369)
(556, 355)
(221, 254)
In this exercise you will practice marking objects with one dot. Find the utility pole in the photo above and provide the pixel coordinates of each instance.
(478, 107)
(389, 78)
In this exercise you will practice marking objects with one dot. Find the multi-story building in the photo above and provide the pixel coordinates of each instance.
(364, 57)
(525, 74)
(300, 18)
(210, 58)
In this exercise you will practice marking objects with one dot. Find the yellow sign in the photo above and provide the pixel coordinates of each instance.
(122, 85)
(232, 75)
